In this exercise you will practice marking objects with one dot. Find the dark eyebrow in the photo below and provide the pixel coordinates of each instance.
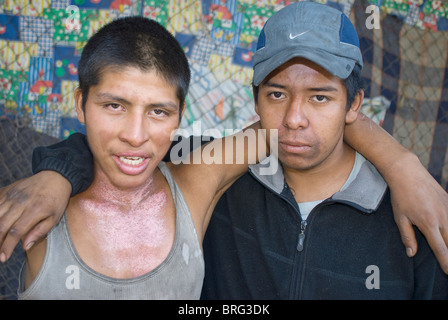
(273, 84)
(316, 89)
(109, 96)
(121, 100)
(327, 88)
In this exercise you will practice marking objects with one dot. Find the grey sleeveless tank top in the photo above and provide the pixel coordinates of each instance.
(63, 275)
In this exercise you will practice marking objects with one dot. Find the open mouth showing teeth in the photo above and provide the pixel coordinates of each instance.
(133, 161)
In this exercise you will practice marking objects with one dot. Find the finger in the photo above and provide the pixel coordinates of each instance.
(407, 236)
(17, 226)
(10, 242)
(38, 232)
(9, 215)
(442, 256)
(10, 209)
(12, 237)
(437, 241)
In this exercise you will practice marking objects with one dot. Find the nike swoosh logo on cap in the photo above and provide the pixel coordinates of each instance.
(297, 35)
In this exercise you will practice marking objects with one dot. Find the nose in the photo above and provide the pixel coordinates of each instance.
(295, 116)
(135, 129)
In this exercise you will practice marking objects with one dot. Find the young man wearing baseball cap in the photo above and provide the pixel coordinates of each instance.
(323, 226)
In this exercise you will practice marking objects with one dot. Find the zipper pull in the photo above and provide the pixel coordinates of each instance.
(301, 235)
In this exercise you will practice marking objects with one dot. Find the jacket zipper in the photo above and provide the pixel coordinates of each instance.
(296, 292)
(301, 235)
(304, 224)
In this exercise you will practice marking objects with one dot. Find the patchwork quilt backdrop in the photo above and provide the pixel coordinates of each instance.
(405, 73)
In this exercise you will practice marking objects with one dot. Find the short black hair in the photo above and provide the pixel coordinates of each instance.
(134, 42)
(353, 85)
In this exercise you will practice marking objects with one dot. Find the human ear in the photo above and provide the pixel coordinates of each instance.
(256, 108)
(352, 113)
(255, 94)
(78, 106)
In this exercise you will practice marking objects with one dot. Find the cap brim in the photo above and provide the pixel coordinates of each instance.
(341, 67)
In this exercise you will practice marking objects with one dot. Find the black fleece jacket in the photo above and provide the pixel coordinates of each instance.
(257, 247)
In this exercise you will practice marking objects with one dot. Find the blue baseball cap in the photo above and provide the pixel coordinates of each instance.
(319, 33)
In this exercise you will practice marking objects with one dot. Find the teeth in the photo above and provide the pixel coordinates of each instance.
(133, 161)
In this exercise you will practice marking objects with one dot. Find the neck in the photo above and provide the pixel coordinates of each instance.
(103, 194)
(323, 180)
(124, 232)
(104, 191)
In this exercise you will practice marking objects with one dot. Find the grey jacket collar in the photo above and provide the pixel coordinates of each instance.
(364, 193)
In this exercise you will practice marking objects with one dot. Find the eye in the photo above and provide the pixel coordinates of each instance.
(320, 98)
(276, 95)
(160, 112)
(113, 107)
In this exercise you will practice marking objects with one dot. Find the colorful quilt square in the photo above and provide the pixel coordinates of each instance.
(9, 27)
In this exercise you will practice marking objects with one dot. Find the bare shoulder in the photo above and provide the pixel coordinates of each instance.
(211, 169)
(199, 185)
